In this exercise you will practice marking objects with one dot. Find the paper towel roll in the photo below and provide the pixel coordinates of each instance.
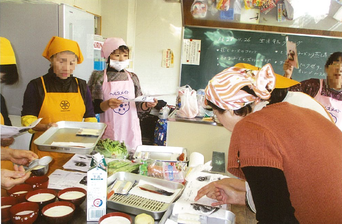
(196, 159)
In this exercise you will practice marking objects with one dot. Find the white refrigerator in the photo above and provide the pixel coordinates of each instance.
(29, 27)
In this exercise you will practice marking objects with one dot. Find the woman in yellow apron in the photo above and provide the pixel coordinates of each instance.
(57, 96)
(10, 175)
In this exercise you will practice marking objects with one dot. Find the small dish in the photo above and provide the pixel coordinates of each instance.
(20, 191)
(38, 182)
(75, 195)
(6, 204)
(115, 217)
(42, 197)
(58, 212)
(24, 213)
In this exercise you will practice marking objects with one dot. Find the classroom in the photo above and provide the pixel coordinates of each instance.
(173, 49)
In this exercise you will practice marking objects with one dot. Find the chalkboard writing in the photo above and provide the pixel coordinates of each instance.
(222, 48)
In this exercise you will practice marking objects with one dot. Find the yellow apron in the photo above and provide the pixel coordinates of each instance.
(56, 107)
(2, 119)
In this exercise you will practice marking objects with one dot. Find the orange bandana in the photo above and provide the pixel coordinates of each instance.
(224, 90)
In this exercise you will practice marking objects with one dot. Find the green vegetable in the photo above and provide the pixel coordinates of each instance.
(111, 149)
(122, 166)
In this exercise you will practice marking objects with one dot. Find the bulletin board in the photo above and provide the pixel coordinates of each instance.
(221, 48)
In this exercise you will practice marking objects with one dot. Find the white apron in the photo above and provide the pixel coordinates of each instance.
(122, 122)
(333, 106)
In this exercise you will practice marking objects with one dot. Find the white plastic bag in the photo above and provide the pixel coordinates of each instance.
(188, 98)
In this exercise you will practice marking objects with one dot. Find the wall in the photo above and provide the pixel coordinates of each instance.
(148, 27)
(158, 27)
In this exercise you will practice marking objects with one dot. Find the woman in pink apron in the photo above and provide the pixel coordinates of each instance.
(327, 91)
(112, 90)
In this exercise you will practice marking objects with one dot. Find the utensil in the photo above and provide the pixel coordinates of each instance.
(40, 166)
(153, 189)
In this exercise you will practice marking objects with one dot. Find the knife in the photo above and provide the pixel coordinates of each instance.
(153, 189)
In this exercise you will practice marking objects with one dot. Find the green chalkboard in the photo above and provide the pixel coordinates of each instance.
(222, 48)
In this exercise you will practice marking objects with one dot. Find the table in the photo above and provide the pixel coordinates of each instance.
(243, 215)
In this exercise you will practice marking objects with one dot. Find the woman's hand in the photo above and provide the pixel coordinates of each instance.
(228, 195)
(114, 103)
(22, 157)
(7, 141)
(288, 69)
(18, 156)
(44, 127)
(147, 105)
(11, 178)
(111, 103)
(225, 191)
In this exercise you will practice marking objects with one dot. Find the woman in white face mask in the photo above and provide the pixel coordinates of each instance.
(111, 91)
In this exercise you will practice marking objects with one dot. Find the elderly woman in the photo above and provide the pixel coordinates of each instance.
(111, 91)
(58, 95)
(286, 153)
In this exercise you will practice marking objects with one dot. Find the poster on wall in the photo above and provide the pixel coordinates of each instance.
(191, 52)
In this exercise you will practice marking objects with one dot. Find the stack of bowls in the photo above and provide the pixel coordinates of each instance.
(6, 204)
(59, 212)
(24, 213)
(42, 197)
(115, 217)
(38, 182)
(20, 191)
(75, 195)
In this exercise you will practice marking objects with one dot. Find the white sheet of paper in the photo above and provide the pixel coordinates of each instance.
(142, 99)
(61, 179)
(13, 131)
(184, 203)
(78, 162)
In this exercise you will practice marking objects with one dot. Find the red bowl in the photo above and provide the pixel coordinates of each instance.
(38, 182)
(53, 208)
(24, 218)
(19, 191)
(76, 201)
(39, 197)
(115, 217)
(6, 204)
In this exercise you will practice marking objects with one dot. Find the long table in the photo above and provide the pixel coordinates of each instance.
(243, 215)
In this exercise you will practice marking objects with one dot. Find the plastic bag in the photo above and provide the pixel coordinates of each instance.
(188, 98)
(167, 170)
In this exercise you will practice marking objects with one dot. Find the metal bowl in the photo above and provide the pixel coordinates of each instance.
(40, 167)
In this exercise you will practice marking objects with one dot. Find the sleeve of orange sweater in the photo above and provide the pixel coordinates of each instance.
(270, 195)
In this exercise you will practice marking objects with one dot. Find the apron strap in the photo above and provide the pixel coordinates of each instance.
(43, 84)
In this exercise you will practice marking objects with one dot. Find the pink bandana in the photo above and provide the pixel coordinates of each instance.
(224, 90)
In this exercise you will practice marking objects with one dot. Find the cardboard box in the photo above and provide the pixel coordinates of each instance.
(96, 193)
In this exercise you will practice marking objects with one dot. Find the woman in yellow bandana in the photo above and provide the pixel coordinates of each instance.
(290, 156)
(44, 96)
(10, 175)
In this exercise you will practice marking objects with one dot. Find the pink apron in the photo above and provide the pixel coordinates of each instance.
(333, 106)
(122, 122)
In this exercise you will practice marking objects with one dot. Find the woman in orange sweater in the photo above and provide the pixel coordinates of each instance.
(286, 153)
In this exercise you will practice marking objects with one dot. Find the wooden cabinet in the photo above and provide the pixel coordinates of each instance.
(303, 25)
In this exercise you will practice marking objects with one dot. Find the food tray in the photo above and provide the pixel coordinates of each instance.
(134, 204)
(163, 153)
(66, 132)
